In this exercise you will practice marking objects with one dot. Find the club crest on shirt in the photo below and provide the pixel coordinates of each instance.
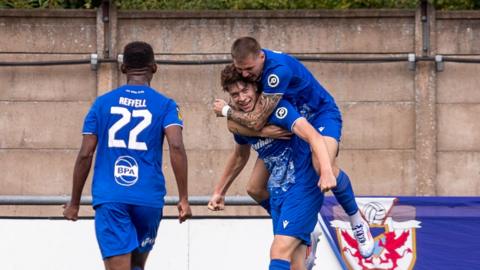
(281, 112)
(126, 171)
(179, 114)
(273, 80)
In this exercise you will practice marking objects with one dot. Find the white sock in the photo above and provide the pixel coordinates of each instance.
(356, 219)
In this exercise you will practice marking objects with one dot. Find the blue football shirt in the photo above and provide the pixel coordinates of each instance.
(285, 75)
(129, 123)
(288, 161)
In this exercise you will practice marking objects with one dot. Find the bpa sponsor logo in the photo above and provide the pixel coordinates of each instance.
(395, 241)
(126, 171)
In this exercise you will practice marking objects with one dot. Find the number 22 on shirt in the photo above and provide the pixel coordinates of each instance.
(124, 120)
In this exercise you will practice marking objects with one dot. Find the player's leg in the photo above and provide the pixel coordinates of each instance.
(277, 263)
(298, 258)
(138, 260)
(332, 148)
(331, 132)
(116, 235)
(343, 191)
(282, 250)
(147, 221)
(346, 198)
(121, 262)
(257, 184)
(296, 221)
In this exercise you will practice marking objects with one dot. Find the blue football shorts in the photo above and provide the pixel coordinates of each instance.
(328, 126)
(294, 213)
(122, 228)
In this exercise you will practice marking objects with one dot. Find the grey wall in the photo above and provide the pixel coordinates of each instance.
(405, 132)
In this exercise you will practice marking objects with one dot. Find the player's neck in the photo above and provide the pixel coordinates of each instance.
(138, 80)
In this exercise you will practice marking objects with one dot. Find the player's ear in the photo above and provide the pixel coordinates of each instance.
(261, 54)
(154, 68)
(123, 68)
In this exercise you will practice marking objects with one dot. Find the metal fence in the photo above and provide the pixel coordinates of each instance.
(87, 200)
(410, 58)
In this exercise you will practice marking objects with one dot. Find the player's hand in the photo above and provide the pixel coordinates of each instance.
(275, 132)
(218, 105)
(327, 182)
(184, 211)
(70, 212)
(216, 203)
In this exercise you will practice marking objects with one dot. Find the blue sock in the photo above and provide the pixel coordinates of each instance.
(278, 264)
(266, 205)
(344, 194)
(136, 268)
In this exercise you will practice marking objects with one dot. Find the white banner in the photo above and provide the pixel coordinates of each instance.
(234, 244)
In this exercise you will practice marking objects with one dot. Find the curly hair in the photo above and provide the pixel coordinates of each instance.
(230, 76)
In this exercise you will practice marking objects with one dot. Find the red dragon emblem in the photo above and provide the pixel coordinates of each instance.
(390, 246)
(395, 241)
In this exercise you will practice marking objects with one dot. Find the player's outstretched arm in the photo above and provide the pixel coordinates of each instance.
(235, 164)
(308, 133)
(255, 119)
(178, 159)
(80, 174)
(269, 131)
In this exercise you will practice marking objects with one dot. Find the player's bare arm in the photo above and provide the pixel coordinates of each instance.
(268, 131)
(319, 149)
(80, 174)
(255, 119)
(235, 164)
(178, 159)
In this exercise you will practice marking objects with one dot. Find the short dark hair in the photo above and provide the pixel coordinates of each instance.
(230, 76)
(245, 46)
(138, 54)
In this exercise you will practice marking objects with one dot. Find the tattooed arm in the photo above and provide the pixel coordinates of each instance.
(255, 119)
(268, 131)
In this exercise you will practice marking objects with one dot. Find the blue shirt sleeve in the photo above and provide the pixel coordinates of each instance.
(239, 139)
(173, 115)
(284, 115)
(276, 80)
(90, 124)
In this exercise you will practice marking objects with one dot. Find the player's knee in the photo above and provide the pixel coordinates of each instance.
(297, 263)
(299, 257)
(253, 192)
(280, 252)
(138, 260)
(257, 193)
(282, 248)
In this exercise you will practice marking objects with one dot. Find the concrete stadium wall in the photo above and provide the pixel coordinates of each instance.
(405, 132)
